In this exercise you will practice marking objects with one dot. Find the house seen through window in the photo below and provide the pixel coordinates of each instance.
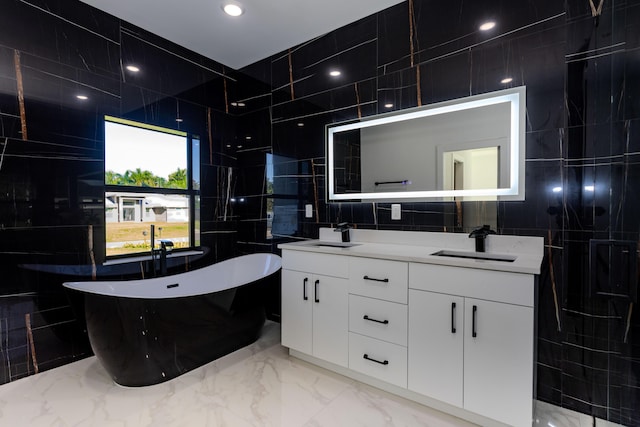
(152, 177)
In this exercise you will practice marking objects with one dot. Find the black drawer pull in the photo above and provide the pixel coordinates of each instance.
(474, 313)
(175, 285)
(453, 317)
(315, 291)
(304, 289)
(386, 362)
(384, 322)
(376, 280)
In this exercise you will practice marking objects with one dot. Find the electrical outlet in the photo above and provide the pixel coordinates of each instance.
(396, 212)
(308, 211)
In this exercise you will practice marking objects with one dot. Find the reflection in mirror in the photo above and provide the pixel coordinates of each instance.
(474, 168)
(347, 170)
(471, 169)
(465, 149)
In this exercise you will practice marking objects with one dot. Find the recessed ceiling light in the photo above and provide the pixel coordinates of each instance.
(179, 120)
(232, 9)
(133, 68)
(506, 80)
(228, 145)
(82, 97)
(334, 73)
(300, 124)
(247, 138)
(389, 105)
(239, 146)
(557, 189)
(487, 26)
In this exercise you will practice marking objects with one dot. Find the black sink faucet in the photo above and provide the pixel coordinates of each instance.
(344, 228)
(480, 234)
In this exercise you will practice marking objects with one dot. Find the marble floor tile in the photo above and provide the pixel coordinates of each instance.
(259, 385)
(547, 415)
(360, 405)
(603, 423)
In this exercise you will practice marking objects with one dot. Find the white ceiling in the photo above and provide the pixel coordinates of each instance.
(265, 28)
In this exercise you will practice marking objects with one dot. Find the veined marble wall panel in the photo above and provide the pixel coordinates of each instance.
(52, 158)
(582, 124)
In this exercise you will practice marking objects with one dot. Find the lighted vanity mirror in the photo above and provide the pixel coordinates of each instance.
(466, 149)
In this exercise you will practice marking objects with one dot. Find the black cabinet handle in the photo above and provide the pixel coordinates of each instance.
(315, 291)
(384, 322)
(376, 280)
(304, 289)
(386, 362)
(473, 321)
(453, 317)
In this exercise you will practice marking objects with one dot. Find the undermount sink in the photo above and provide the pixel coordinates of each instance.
(476, 255)
(335, 244)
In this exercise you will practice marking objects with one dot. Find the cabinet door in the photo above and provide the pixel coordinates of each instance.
(436, 340)
(330, 319)
(498, 361)
(296, 317)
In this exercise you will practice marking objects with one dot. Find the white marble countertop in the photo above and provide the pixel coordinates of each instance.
(410, 246)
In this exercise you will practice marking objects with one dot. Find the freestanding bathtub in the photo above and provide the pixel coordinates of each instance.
(148, 331)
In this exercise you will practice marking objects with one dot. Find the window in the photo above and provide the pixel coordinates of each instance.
(282, 177)
(151, 178)
(130, 208)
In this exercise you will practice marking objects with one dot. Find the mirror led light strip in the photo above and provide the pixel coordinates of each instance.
(516, 98)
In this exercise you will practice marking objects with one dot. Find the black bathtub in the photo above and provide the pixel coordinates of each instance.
(148, 331)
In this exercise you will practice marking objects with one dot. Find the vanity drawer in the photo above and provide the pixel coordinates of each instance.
(500, 286)
(384, 361)
(383, 320)
(377, 278)
(325, 264)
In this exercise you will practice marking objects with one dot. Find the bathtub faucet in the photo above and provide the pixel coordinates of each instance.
(161, 253)
(152, 235)
(165, 246)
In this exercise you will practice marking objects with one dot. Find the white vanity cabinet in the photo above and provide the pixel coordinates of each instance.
(456, 334)
(314, 305)
(471, 335)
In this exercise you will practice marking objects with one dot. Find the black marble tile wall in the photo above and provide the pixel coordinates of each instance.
(52, 159)
(581, 72)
